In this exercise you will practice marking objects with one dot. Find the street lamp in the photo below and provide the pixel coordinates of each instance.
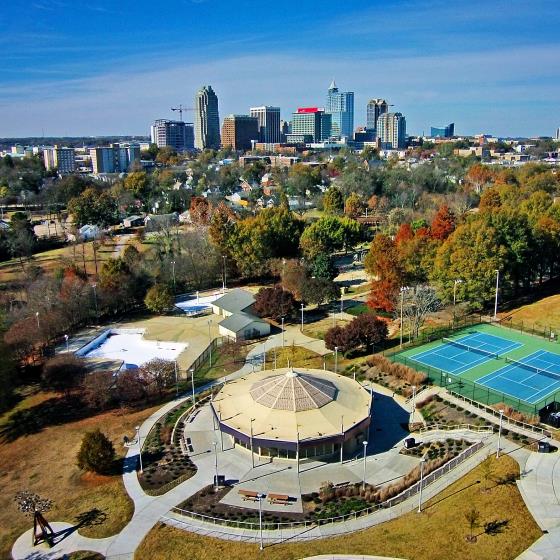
(499, 434)
(455, 282)
(282, 332)
(224, 274)
(342, 442)
(215, 444)
(94, 287)
(174, 284)
(210, 340)
(422, 461)
(413, 404)
(139, 447)
(192, 385)
(496, 299)
(403, 290)
(176, 380)
(37, 317)
(66, 339)
(365, 443)
(341, 301)
(260, 498)
(252, 454)
(336, 359)
(301, 316)
(264, 355)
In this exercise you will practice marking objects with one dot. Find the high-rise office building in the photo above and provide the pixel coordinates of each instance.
(269, 123)
(340, 105)
(310, 124)
(114, 158)
(62, 159)
(207, 119)
(375, 108)
(174, 134)
(285, 129)
(391, 131)
(239, 130)
(443, 131)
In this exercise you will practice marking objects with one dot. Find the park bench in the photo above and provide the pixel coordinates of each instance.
(282, 499)
(249, 495)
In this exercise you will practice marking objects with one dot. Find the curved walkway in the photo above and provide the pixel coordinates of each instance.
(540, 488)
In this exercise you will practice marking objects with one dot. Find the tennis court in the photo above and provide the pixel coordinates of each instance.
(458, 355)
(530, 379)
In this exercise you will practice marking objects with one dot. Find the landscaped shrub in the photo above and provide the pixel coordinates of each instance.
(516, 415)
(96, 453)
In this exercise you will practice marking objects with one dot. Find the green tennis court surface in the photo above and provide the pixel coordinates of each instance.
(492, 364)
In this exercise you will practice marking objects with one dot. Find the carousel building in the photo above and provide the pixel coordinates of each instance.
(294, 413)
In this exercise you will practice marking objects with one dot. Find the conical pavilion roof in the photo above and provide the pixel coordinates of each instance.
(293, 391)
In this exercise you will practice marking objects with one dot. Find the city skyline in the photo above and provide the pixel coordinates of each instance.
(73, 69)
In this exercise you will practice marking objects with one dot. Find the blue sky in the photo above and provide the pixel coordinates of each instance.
(73, 67)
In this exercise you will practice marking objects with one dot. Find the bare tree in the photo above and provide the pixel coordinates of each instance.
(418, 303)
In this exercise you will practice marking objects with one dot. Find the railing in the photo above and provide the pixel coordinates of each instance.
(456, 428)
(505, 419)
(279, 526)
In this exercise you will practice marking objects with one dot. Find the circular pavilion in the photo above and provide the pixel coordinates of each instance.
(294, 413)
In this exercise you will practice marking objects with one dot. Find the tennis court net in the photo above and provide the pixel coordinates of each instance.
(548, 373)
(471, 348)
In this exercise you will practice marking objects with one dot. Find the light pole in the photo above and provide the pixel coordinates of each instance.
(341, 301)
(37, 317)
(282, 332)
(176, 380)
(252, 454)
(342, 442)
(94, 286)
(455, 282)
(215, 443)
(264, 355)
(260, 497)
(66, 339)
(365, 443)
(174, 285)
(336, 359)
(499, 434)
(210, 340)
(192, 385)
(413, 404)
(403, 290)
(421, 483)
(496, 299)
(139, 447)
(224, 274)
(302, 317)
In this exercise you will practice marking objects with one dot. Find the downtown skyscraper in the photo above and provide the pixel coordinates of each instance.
(375, 108)
(340, 105)
(206, 119)
(269, 123)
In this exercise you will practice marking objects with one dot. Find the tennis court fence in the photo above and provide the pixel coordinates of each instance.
(547, 332)
(473, 391)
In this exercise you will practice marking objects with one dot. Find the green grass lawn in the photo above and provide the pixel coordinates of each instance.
(439, 533)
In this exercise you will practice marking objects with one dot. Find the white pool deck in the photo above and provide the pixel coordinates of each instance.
(134, 350)
(198, 303)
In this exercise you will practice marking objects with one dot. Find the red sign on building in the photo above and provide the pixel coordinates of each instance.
(308, 110)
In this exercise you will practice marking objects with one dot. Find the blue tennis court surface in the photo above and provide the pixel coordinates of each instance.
(524, 382)
(482, 347)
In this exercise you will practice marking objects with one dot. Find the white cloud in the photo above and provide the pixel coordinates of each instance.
(496, 90)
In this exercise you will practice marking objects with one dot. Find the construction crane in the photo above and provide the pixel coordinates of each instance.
(180, 109)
